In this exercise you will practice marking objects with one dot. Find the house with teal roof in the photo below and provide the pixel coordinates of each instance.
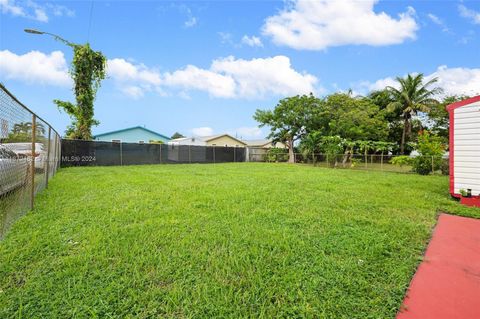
(137, 134)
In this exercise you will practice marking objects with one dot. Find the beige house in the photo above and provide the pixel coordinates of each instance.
(215, 140)
(264, 144)
(257, 149)
(223, 140)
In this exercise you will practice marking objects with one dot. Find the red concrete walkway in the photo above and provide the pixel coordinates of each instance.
(447, 283)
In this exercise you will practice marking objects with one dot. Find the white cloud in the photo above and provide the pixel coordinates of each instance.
(133, 91)
(262, 76)
(35, 67)
(226, 78)
(472, 15)
(192, 21)
(438, 22)
(317, 25)
(225, 37)
(247, 132)
(366, 86)
(202, 131)
(435, 19)
(453, 81)
(124, 71)
(9, 6)
(457, 81)
(194, 78)
(252, 41)
(32, 10)
(60, 11)
(41, 15)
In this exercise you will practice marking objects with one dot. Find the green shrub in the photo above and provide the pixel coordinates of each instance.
(355, 162)
(423, 165)
(445, 166)
(402, 160)
(276, 154)
(431, 149)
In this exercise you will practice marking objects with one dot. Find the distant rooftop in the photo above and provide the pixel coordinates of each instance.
(132, 128)
(257, 142)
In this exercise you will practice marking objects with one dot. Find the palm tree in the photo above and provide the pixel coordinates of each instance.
(411, 97)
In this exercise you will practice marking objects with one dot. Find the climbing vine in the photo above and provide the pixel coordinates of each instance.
(88, 69)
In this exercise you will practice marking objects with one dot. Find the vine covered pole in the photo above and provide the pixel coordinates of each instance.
(87, 70)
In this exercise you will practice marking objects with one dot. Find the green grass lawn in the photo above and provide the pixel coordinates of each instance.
(210, 241)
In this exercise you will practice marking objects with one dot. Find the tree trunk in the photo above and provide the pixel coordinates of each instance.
(409, 130)
(404, 133)
(346, 156)
(366, 157)
(291, 155)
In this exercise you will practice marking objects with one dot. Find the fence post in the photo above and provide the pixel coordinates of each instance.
(214, 154)
(381, 162)
(121, 154)
(160, 146)
(47, 170)
(234, 153)
(433, 167)
(55, 158)
(32, 163)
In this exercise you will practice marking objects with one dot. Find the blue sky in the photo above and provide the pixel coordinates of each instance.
(204, 67)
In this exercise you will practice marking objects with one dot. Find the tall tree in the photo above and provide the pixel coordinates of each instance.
(22, 132)
(176, 135)
(352, 118)
(289, 120)
(412, 96)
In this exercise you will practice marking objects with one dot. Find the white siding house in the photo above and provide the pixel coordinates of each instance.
(465, 147)
(195, 141)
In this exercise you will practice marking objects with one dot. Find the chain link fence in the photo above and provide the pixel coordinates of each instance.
(379, 162)
(29, 157)
(97, 153)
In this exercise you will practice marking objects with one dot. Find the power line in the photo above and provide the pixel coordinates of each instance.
(90, 21)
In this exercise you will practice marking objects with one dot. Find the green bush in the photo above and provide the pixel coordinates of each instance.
(402, 160)
(423, 165)
(431, 149)
(355, 162)
(445, 166)
(276, 154)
